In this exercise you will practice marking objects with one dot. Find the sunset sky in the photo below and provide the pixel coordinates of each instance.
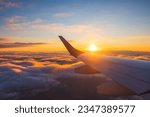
(34, 25)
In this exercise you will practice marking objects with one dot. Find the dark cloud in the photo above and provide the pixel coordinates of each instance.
(17, 44)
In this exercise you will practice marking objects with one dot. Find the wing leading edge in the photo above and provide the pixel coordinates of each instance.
(132, 74)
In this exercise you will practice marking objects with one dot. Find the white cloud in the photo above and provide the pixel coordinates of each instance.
(14, 19)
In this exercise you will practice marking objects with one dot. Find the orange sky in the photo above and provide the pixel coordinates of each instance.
(134, 44)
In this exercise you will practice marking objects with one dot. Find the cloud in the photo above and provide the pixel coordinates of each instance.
(4, 39)
(85, 31)
(19, 23)
(21, 75)
(37, 21)
(62, 15)
(17, 44)
(9, 4)
(62, 27)
(28, 75)
(14, 27)
(14, 23)
(14, 19)
(131, 55)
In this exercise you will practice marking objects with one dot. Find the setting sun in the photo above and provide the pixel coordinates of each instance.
(92, 48)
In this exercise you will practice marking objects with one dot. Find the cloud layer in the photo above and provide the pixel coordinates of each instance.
(3, 39)
(32, 73)
(17, 44)
(28, 75)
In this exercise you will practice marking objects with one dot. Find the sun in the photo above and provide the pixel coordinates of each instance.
(92, 48)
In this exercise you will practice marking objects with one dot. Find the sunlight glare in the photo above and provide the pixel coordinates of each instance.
(92, 48)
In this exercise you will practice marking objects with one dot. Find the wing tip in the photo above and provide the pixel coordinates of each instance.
(74, 52)
(60, 36)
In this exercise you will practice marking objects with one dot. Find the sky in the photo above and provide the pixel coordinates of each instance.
(34, 25)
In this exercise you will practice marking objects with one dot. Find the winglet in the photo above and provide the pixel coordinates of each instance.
(74, 52)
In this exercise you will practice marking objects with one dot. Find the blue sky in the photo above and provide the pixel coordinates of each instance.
(107, 21)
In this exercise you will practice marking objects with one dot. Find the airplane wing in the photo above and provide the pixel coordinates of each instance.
(131, 74)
